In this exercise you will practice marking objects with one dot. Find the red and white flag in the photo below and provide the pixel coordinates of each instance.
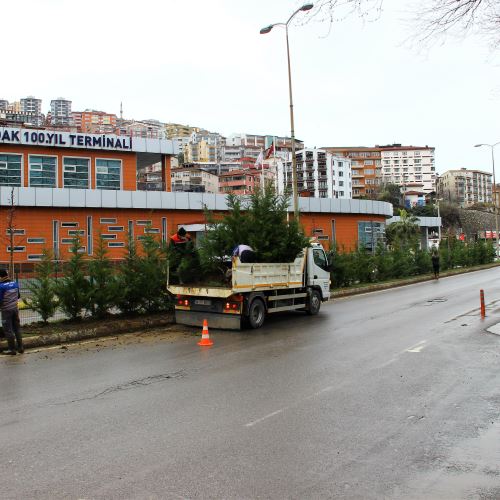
(270, 151)
(260, 159)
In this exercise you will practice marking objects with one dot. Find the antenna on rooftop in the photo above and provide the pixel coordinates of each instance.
(121, 110)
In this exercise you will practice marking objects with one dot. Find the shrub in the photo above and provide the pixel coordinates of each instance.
(153, 275)
(129, 280)
(43, 298)
(104, 287)
(73, 290)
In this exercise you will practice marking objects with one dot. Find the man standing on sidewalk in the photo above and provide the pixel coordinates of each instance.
(9, 295)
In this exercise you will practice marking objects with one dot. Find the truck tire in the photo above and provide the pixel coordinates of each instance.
(314, 303)
(256, 313)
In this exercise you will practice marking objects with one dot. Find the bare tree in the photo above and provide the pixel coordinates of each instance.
(441, 17)
(11, 214)
(433, 18)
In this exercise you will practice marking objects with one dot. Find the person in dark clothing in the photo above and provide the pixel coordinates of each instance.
(180, 239)
(435, 262)
(9, 295)
(245, 253)
(182, 256)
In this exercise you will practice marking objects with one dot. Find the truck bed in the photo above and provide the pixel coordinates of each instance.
(248, 277)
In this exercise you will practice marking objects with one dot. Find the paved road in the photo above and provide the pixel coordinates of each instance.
(394, 394)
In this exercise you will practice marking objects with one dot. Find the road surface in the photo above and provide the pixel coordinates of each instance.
(393, 394)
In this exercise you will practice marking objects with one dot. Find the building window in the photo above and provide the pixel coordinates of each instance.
(16, 249)
(108, 174)
(107, 221)
(143, 222)
(55, 238)
(36, 240)
(18, 232)
(116, 244)
(90, 247)
(42, 171)
(370, 234)
(164, 229)
(35, 257)
(108, 236)
(10, 170)
(76, 232)
(69, 224)
(76, 173)
(115, 228)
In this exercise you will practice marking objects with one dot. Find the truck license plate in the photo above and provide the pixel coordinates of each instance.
(202, 302)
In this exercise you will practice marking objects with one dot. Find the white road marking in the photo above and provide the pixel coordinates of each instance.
(259, 420)
(417, 347)
(281, 410)
(414, 348)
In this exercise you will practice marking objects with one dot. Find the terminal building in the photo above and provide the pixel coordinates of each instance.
(58, 185)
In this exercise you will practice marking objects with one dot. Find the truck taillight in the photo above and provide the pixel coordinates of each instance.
(182, 301)
(232, 306)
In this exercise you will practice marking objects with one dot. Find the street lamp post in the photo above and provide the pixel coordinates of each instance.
(494, 190)
(263, 31)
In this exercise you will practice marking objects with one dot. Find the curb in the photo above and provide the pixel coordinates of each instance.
(346, 292)
(122, 327)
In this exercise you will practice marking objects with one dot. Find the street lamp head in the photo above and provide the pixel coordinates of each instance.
(266, 30)
(307, 6)
(479, 145)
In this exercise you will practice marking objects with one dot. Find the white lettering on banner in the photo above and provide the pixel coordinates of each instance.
(65, 139)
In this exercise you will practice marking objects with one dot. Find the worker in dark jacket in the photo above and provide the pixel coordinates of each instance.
(245, 253)
(9, 295)
(180, 239)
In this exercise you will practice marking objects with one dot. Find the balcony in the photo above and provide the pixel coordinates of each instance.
(150, 186)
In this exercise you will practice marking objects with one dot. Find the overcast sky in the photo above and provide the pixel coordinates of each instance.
(204, 63)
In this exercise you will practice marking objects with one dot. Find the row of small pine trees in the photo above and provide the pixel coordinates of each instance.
(351, 268)
(97, 286)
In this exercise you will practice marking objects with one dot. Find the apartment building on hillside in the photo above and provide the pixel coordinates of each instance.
(97, 122)
(366, 168)
(465, 187)
(33, 106)
(176, 130)
(319, 174)
(240, 181)
(60, 112)
(408, 164)
(194, 180)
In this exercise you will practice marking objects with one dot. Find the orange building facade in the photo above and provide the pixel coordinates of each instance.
(50, 193)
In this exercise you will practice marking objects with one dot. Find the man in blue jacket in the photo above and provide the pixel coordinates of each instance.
(9, 295)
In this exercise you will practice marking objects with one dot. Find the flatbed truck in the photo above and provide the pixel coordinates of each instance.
(256, 290)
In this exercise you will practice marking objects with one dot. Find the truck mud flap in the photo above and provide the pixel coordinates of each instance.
(222, 321)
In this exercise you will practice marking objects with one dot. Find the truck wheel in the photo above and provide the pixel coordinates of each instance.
(314, 303)
(256, 313)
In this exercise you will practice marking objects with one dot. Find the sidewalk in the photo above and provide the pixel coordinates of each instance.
(373, 287)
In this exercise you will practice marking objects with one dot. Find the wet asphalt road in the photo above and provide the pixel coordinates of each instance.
(394, 395)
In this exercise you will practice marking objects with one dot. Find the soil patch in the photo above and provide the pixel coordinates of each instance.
(38, 334)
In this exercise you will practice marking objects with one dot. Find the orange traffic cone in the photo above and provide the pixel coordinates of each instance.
(205, 338)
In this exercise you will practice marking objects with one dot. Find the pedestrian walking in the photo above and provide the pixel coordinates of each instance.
(9, 295)
(435, 262)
